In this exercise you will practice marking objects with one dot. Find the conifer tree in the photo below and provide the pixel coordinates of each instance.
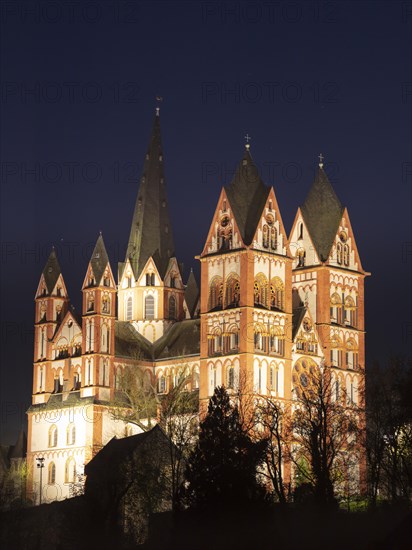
(222, 468)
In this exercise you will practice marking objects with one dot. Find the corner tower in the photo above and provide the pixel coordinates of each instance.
(151, 291)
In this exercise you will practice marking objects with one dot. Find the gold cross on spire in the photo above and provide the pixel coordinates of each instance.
(321, 158)
(247, 138)
(158, 99)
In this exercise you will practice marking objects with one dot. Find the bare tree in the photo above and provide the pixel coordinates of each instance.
(273, 422)
(138, 402)
(326, 430)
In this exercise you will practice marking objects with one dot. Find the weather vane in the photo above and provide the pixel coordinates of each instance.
(321, 157)
(247, 138)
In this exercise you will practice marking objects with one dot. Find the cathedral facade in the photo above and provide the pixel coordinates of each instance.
(270, 307)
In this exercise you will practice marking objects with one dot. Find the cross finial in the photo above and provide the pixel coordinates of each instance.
(158, 99)
(247, 138)
(321, 158)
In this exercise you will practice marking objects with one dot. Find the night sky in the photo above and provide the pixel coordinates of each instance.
(79, 82)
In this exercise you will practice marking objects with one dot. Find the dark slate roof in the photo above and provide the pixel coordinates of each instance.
(99, 259)
(247, 196)
(322, 212)
(151, 231)
(297, 318)
(117, 450)
(56, 402)
(20, 448)
(191, 293)
(51, 271)
(181, 339)
(130, 343)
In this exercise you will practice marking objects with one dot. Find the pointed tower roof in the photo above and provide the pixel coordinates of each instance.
(247, 195)
(191, 293)
(151, 231)
(51, 271)
(322, 212)
(20, 448)
(99, 259)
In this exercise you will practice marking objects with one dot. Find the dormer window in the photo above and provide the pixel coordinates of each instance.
(173, 281)
(59, 291)
(106, 281)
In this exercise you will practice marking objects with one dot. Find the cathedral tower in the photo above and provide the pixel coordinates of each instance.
(246, 301)
(151, 291)
(328, 278)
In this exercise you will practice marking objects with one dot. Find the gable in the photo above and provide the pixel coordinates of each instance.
(224, 232)
(301, 245)
(344, 252)
(270, 233)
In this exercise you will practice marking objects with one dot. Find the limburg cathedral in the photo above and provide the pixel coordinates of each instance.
(269, 308)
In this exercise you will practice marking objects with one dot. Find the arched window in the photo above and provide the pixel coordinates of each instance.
(150, 279)
(70, 471)
(339, 253)
(349, 312)
(335, 308)
(271, 377)
(265, 240)
(260, 288)
(71, 434)
(105, 304)
(277, 294)
(161, 384)
(118, 379)
(53, 436)
(301, 257)
(300, 231)
(273, 238)
(149, 307)
(76, 381)
(195, 384)
(232, 291)
(231, 377)
(51, 473)
(172, 307)
(215, 293)
(129, 309)
(346, 254)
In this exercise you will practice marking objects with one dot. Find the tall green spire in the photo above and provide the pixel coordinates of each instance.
(151, 231)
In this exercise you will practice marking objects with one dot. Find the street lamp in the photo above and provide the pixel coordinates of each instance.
(40, 464)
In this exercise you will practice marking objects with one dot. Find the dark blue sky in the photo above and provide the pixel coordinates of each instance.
(77, 103)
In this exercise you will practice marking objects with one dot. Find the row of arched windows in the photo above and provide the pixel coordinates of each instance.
(70, 435)
(270, 296)
(227, 375)
(149, 308)
(342, 254)
(270, 237)
(69, 472)
(223, 343)
(343, 310)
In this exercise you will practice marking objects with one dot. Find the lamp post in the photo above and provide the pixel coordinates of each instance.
(40, 464)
